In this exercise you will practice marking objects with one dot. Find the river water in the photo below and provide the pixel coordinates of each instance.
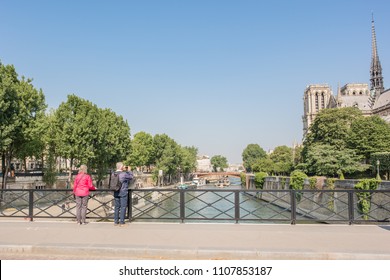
(208, 204)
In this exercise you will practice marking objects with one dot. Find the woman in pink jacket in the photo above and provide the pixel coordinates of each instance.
(82, 186)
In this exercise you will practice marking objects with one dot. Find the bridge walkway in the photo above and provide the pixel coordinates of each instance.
(49, 239)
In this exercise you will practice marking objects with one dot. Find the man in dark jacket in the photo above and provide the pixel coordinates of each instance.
(121, 196)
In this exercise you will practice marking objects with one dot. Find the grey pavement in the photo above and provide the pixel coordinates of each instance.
(50, 239)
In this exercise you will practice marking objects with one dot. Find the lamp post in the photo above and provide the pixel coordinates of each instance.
(377, 169)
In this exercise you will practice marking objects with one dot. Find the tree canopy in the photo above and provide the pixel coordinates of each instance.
(342, 140)
(21, 106)
(219, 163)
(251, 154)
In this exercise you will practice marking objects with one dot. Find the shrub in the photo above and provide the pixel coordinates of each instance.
(260, 179)
(331, 198)
(297, 180)
(243, 178)
(364, 202)
(312, 182)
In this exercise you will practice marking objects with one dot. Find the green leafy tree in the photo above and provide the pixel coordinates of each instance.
(251, 154)
(282, 156)
(219, 162)
(141, 150)
(111, 143)
(20, 107)
(76, 129)
(90, 135)
(297, 155)
(168, 156)
(331, 127)
(382, 162)
(369, 135)
(327, 160)
(188, 159)
(47, 128)
(263, 165)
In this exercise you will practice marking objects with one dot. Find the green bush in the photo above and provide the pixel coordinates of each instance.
(331, 198)
(364, 202)
(312, 182)
(243, 178)
(260, 179)
(297, 180)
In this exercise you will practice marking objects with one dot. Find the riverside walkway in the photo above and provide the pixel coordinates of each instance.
(49, 239)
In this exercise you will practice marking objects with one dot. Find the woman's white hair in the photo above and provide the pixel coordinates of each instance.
(83, 168)
(119, 165)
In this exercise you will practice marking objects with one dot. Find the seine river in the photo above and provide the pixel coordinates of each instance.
(209, 204)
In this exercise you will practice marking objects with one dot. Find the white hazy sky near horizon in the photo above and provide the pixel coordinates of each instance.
(217, 75)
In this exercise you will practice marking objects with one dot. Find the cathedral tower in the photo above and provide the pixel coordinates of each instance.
(376, 78)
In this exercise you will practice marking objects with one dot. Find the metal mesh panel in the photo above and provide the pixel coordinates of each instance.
(14, 203)
(209, 205)
(325, 205)
(155, 204)
(372, 206)
(265, 206)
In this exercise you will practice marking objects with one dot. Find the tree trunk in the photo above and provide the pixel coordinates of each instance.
(70, 178)
(3, 169)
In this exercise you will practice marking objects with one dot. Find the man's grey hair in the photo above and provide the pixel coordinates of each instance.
(119, 165)
(83, 168)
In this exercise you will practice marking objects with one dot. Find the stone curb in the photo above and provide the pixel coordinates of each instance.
(101, 253)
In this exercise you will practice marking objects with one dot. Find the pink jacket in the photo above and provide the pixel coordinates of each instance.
(82, 185)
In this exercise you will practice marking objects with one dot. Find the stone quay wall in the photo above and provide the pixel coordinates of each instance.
(331, 204)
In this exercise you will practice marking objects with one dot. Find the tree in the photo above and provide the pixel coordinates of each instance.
(188, 159)
(141, 150)
(20, 107)
(251, 154)
(369, 135)
(90, 135)
(382, 162)
(111, 143)
(76, 129)
(327, 160)
(331, 127)
(263, 165)
(167, 154)
(282, 156)
(47, 129)
(219, 162)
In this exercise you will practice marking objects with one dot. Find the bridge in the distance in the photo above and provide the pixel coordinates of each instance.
(217, 175)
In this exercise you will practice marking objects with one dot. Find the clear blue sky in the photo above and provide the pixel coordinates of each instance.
(214, 74)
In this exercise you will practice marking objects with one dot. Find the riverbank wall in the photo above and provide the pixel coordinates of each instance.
(334, 203)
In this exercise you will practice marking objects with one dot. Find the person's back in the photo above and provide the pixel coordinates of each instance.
(125, 178)
(121, 196)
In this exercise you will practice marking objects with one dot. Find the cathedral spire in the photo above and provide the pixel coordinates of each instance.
(376, 78)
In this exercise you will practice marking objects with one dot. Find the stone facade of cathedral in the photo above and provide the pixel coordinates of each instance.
(371, 100)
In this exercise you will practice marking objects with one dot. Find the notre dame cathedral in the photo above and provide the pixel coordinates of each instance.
(373, 100)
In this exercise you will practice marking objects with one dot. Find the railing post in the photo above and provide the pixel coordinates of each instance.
(130, 205)
(293, 206)
(31, 205)
(237, 205)
(351, 216)
(182, 206)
